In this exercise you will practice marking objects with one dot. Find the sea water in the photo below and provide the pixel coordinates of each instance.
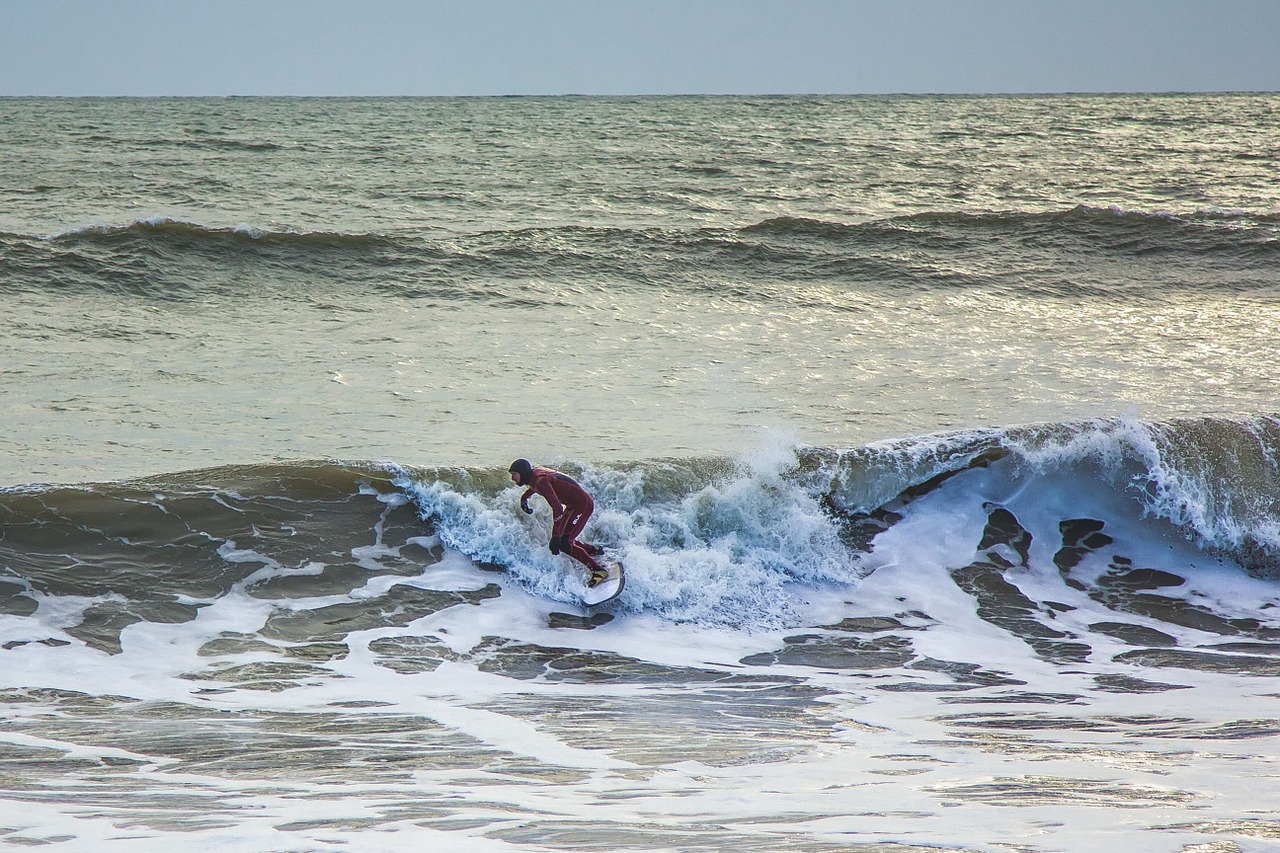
(938, 436)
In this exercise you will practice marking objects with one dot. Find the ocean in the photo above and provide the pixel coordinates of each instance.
(939, 437)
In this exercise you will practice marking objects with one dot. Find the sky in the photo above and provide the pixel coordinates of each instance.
(629, 47)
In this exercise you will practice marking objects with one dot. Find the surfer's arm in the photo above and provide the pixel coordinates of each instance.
(524, 501)
(558, 515)
(548, 492)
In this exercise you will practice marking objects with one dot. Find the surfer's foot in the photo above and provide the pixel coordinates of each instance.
(593, 550)
(598, 576)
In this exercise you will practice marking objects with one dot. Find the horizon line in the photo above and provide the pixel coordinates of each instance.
(903, 94)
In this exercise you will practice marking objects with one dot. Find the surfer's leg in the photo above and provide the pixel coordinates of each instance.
(579, 552)
(596, 573)
(574, 529)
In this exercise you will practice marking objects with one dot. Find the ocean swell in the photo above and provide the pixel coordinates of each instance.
(1132, 252)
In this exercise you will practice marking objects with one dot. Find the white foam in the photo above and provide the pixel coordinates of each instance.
(723, 552)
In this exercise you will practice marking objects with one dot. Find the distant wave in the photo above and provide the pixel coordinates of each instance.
(163, 258)
(1082, 251)
(161, 228)
(199, 140)
(1109, 217)
(1074, 220)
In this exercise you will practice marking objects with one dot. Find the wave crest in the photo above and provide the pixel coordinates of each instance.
(1081, 251)
(161, 228)
(711, 541)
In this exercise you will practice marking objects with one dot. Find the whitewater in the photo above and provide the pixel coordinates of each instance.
(938, 436)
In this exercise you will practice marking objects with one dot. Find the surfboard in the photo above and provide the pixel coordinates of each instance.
(608, 589)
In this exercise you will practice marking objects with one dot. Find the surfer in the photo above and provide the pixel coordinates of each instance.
(571, 506)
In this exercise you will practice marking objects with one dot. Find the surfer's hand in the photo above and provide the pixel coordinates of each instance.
(555, 545)
(524, 505)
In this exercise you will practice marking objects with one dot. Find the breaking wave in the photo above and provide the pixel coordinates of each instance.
(715, 541)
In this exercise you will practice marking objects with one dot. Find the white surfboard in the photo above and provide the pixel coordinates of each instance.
(609, 588)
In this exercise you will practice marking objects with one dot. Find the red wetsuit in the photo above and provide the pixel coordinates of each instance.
(571, 506)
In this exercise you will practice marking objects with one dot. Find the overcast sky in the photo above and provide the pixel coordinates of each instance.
(505, 47)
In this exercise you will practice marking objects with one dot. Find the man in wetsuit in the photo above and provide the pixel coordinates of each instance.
(571, 506)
